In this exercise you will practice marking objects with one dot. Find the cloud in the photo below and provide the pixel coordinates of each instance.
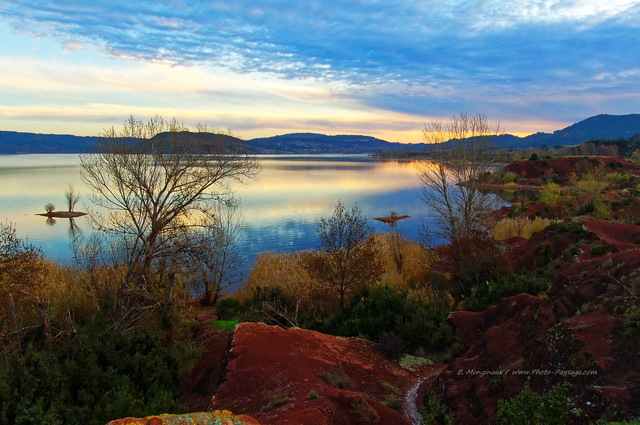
(418, 57)
(363, 41)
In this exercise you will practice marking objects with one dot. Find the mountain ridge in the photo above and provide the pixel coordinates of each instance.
(597, 127)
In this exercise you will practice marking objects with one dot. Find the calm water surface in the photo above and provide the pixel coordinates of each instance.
(281, 208)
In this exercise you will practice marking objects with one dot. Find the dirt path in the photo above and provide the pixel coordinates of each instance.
(413, 398)
(411, 408)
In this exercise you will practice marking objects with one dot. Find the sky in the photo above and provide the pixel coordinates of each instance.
(261, 68)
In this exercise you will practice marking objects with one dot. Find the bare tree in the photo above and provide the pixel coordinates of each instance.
(154, 181)
(348, 256)
(453, 181)
(72, 197)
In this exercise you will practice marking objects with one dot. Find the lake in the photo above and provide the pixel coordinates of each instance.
(281, 208)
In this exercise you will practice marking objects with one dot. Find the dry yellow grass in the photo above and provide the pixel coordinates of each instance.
(524, 227)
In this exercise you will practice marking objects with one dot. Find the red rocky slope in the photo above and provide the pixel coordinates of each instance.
(576, 332)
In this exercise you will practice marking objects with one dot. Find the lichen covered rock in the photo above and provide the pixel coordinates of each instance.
(219, 417)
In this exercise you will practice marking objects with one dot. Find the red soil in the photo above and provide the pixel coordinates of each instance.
(572, 333)
(274, 375)
(624, 236)
(561, 168)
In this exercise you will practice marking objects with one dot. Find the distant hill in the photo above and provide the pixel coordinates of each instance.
(599, 127)
(321, 143)
(13, 142)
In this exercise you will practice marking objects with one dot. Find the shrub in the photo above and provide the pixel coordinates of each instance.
(631, 322)
(616, 178)
(420, 325)
(275, 398)
(550, 193)
(492, 292)
(509, 177)
(533, 157)
(228, 309)
(391, 388)
(49, 207)
(337, 377)
(96, 376)
(544, 253)
(631, 213)
(285, 274)
(435, 413)
(362, 410)
(474, 261)
(529, 407)
(393, 402)
(524, 227)
(391, 345)
(405, 262)
(596, 250)
(273, 306)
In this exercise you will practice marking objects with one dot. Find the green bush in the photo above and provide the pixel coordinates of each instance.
(94, 377)
(529, 407)
(571, 227)
(337, 377)
(391, 345)
(544, 254)
(492, 292)
(433, 412)
(550, 193)
(631, 322)
(421, 325)
(509, 177)
(228, 309)
(616, 178)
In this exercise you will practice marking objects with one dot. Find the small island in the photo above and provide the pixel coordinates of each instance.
(72, 199)
(63, 214)
(391, 219)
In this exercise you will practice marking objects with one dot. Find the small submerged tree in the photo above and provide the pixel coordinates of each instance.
(72, 197)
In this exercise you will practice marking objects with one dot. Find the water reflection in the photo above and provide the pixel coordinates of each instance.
(281, 207)
(73, 230)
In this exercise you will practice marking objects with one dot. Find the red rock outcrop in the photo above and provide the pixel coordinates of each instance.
(296, 376)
